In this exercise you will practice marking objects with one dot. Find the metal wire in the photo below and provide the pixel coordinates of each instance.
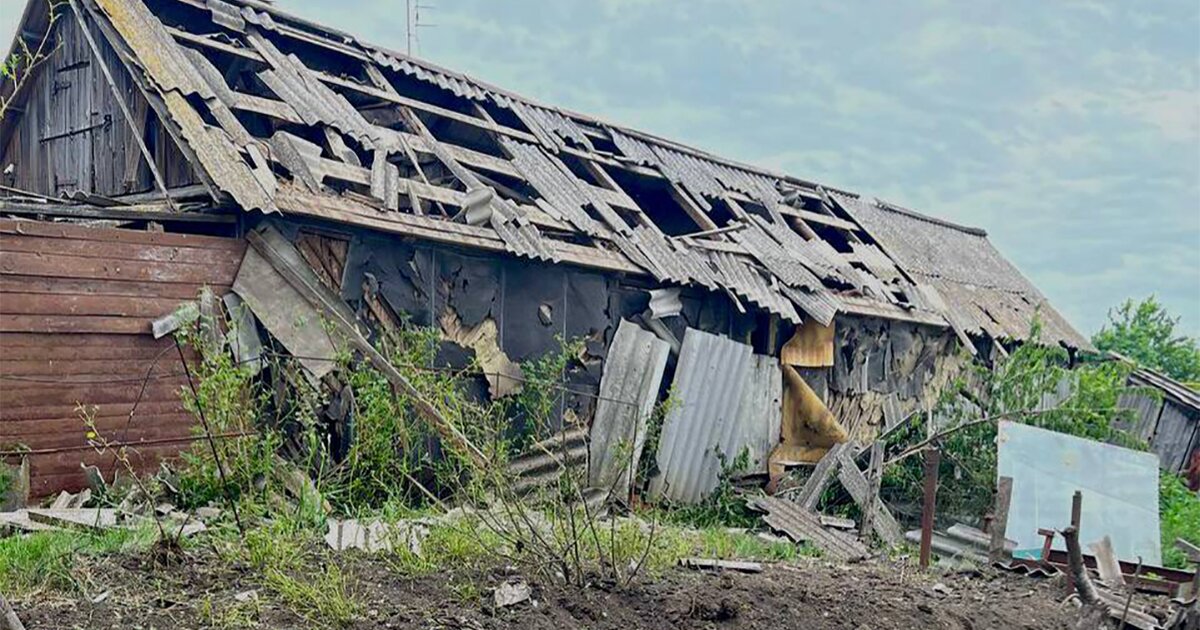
(423, 368)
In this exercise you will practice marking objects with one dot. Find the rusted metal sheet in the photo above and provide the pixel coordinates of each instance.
(633, 372)
(803, 525)
(699, 430)
(77, 340)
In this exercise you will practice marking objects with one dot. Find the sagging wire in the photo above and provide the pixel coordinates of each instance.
(422, 368)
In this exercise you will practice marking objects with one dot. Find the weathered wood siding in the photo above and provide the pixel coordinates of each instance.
(72, 135)
(75, 310)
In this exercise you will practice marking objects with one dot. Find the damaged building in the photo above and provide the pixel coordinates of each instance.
(168, 146)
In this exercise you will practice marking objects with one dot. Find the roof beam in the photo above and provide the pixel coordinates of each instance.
(145, 212)
(698, 215)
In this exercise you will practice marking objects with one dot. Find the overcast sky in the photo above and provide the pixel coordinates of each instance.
(1070, 131)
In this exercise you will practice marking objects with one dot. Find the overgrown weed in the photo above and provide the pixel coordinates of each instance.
(1179, 515)
(54, 561)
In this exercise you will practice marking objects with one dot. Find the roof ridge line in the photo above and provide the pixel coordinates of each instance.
(913, 214)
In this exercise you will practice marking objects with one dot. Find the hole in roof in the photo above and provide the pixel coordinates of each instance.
(653, 196)
(834, 236)
(577, 167)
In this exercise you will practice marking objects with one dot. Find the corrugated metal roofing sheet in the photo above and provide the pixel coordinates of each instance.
(709, 379)
(745, 280)
(803, 525)
(760, 414)
(543, 463)
(633, 372)
(559, 190)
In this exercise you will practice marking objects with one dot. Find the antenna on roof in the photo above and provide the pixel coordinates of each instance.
(414, 24)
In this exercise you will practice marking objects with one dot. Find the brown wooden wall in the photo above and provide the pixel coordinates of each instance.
(75, 309)
(72, 135)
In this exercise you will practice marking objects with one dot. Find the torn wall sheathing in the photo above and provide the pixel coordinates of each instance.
(76, 304)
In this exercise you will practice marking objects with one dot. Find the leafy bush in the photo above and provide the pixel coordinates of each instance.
(1179, 517)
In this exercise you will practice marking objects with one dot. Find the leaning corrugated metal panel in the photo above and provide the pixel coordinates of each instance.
(708, 386)
(760, 415)
(633, 372)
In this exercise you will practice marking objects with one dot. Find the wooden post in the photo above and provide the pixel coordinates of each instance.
(1076, 571)
(933, 458)
(1076, 516)
(1076, 509)
(999, 524)
(874, 474)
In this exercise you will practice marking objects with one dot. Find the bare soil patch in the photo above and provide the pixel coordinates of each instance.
(207, 592)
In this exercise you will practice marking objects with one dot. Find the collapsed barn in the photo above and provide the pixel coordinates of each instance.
(168, 146)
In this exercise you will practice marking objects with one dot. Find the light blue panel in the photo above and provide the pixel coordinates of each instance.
(1120, 490)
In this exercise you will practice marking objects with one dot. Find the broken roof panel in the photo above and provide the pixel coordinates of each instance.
(987, 293)
(368, 98)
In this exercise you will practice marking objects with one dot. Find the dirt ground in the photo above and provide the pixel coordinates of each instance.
(131, 592)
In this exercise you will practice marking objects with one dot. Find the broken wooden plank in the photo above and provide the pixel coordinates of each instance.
(288, 263)
(19, 520)
(874, 478)
(882, 522)
(810, 492)
(95, 519)
(1106, 563)
(713, 564)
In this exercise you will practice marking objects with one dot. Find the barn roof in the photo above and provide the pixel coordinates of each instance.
(279, 114)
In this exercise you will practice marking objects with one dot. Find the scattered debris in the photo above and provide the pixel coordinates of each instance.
(246, 596)
(373, 536)
(802, 525)
(96, 519)
(511, 593)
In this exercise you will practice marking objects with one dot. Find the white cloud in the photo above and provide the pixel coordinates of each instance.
(1174, 113)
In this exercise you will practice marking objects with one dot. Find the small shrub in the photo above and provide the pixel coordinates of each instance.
(1179, 517)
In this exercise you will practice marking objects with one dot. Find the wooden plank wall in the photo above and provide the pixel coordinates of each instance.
(72, 134)
(75, 309)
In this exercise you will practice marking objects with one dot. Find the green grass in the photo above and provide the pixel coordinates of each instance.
(48, 561)
(1179, 517)
(285, 554)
